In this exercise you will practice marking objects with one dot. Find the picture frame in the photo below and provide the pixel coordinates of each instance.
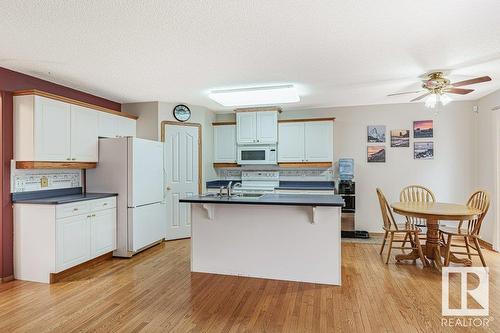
(376, 154)
(375, 133)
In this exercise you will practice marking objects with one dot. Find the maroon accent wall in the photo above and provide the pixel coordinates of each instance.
(11, 81)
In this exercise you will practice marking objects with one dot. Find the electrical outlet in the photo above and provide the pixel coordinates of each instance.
(44, 182)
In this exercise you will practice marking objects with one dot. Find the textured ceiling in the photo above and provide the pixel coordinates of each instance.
(338, 53)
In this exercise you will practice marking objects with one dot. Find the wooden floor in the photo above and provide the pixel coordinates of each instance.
(155, 292)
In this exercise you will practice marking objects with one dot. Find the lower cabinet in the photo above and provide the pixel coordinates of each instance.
(72, 241)
(103, 232)
(52, 238)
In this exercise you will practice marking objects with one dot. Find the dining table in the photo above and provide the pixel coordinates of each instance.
(433, 213)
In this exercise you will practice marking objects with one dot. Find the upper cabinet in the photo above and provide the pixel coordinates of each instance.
(225, 144)
(51, 129)
(257, 127)
(307, 141)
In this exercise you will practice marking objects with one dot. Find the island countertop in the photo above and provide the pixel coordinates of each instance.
(271, 199)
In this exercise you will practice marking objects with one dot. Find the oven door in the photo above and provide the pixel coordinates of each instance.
(253, 155)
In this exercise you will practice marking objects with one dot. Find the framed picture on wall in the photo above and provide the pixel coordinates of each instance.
(423, 150)
(400, 138)
(376, 134)
(423, 129)
(376, 154)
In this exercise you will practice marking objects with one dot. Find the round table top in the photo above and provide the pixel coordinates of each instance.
(436, 210)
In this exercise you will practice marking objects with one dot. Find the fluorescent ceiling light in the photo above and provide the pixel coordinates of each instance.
(256, 96)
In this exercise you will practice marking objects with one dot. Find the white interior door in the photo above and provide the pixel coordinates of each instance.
(181, 177)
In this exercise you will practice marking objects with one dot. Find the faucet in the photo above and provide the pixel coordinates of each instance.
(230, 188)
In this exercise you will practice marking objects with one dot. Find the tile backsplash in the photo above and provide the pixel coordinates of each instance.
(285, 174)
(23, 180)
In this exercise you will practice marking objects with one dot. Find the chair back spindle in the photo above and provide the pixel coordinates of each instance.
(416, 193)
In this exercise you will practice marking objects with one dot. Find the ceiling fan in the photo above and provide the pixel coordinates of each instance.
(436, 87)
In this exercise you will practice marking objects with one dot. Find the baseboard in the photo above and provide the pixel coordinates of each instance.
(486, 245)
(7, 279)
(56, 277)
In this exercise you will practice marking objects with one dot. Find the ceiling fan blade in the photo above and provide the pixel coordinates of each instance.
(459, 91)
(404, 93)
(472, 81)
(420, 97)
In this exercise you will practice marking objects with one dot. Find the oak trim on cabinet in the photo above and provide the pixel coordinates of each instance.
(54, 165)
(305, 164)
(259, 109)
(55, 277)
(226, 165)
(200, 141)
(72, 101)
(222, 123)
(304, 120)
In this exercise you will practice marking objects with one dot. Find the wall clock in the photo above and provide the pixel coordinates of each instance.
(182, 112)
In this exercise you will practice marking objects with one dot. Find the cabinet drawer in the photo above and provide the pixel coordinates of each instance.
(101, 204)
(72, 209)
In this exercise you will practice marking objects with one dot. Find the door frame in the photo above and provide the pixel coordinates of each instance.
(200, 152)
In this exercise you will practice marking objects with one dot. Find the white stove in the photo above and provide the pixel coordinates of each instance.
(259, 181)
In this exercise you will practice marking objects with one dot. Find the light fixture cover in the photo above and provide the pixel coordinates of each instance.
(256, 96)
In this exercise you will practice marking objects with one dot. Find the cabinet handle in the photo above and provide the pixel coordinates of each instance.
(93, 215)
(73, 159)
(75, 209)
(105, 204)
(68, 159)
(89, 216)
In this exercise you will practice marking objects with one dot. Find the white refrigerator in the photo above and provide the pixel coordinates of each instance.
(133, 168)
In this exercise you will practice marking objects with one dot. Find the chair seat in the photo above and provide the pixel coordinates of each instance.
(454, 231)
(405, 227)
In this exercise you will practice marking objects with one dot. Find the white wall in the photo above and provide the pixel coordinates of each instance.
(449, 175)
(151, 114)
(487, 127)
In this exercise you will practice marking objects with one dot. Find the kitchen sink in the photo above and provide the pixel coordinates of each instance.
(247, 196)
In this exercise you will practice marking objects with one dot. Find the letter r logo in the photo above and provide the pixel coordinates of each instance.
(479, 294)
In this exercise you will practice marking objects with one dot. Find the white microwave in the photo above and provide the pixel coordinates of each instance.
(257, 154)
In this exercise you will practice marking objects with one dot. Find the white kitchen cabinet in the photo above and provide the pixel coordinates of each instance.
(51, 132)
(291, 142)
(103, 232)
(126, 126)
(267, 127)
(225, 144)
(72, 241)
(308, 141)
(108, 125)
(318, 141)
(258, 127)
(246, 123)
(84, 134)
(52, 238)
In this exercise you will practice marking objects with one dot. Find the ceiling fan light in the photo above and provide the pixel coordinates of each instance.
(445, 99)
(431, 101)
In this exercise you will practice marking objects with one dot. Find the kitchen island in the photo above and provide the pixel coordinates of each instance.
(293, 237)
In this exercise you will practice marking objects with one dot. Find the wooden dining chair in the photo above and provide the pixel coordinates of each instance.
(417, 193)
(391, 228)
(468, 231)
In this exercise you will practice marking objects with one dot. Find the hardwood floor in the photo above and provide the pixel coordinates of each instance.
(155, 292)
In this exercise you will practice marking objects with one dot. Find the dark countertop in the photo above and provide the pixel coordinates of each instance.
(284, 185)
(272, 199)
(57, 197)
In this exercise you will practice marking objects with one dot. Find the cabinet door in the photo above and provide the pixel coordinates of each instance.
(108, 125)
(72, 241)
(319, 141)
(225, 144)
(84, 134)
(126, 126)
(267, 127)
(246, 130)
(291, 142)
(52, 130)
(103, 232)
